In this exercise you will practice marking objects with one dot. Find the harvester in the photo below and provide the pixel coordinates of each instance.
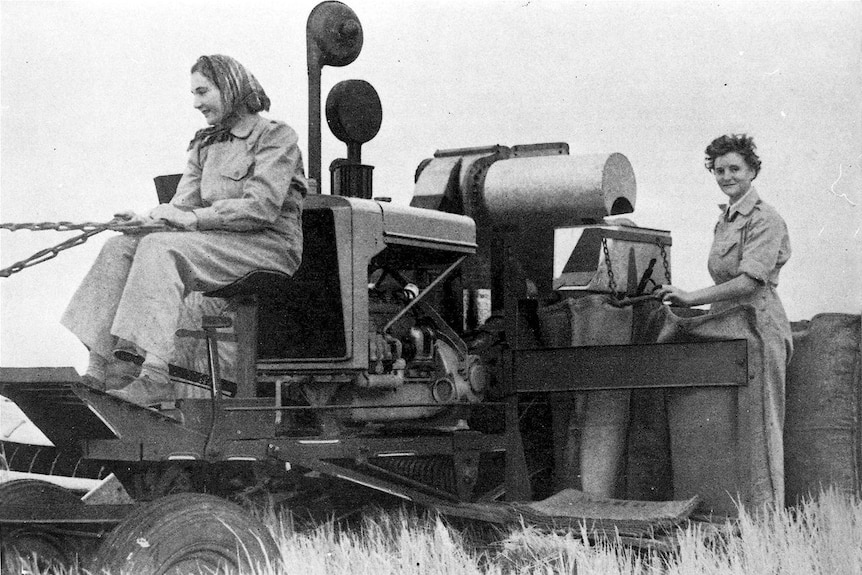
(422, 352)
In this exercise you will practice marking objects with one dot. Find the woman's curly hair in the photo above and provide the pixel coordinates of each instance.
(739, 143)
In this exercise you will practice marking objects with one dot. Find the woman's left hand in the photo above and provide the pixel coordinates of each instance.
(185, 220)
(673, 295)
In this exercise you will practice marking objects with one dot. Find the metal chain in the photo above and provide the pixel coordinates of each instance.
(58, 226)
(90, 229)
(664, 258)
(612, 282)
(49, 253)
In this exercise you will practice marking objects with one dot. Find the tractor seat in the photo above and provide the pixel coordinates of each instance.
(245, 295)
(257, 282)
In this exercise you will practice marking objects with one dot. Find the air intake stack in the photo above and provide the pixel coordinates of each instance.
(354, 115)
(333, 37)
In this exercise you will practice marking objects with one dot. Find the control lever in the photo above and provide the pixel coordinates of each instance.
(646, 277)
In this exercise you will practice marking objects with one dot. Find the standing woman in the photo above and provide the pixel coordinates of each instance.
(237, 208)
(750, 246)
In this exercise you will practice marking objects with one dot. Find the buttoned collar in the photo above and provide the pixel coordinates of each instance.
(242, 129)
(744, 206)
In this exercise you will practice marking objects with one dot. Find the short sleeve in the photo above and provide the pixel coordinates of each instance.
(762, 243)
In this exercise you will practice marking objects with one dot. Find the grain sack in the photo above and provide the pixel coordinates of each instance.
(590, 428)
(822, 437)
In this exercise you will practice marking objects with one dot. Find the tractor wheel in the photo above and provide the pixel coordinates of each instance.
(188, 533)
(36, 546)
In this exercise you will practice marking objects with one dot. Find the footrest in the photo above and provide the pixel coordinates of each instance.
(209, 325)
(202, 380)
(44, 392)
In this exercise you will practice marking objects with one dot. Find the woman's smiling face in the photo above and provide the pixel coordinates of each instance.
(733, 175)
(207, 99)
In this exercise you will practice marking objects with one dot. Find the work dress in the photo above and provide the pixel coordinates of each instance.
(247, 195)
(750, 238)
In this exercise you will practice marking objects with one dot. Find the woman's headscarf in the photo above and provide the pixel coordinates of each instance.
(239, 89)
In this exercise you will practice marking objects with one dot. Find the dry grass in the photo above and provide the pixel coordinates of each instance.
(383, 544)
(822, 536)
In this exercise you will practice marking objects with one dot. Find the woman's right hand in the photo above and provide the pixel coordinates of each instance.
(673, 295)
(130, 219)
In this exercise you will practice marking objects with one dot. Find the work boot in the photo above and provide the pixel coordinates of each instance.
(126, 351)
(97, 369)
(120, 374)
(146, 390)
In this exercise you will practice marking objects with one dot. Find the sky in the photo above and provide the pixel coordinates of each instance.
(95, 102)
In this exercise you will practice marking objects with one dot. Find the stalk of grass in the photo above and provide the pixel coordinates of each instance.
(385, 543)
(823, 536)
(529, 550)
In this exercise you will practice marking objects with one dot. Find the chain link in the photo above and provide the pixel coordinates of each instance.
(612, 282)
(664, 258)
(59, 226)
(89, 228)
(49, 253)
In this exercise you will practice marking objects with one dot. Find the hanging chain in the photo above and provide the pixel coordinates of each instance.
(612, 282)
(89, 228)
(664, 259)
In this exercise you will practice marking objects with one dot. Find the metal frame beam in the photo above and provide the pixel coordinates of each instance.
(664, 365)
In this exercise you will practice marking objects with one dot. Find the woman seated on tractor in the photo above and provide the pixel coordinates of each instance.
(237, 208)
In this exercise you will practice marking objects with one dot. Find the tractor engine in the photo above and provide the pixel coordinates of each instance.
(419, 361)
(417, 364)
(358, 329)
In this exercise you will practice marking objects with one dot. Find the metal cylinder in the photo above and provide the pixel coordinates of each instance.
(444, 391)
(352, 180)
(559, 189)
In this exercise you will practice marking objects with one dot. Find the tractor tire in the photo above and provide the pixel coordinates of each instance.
(36, 546)
(185, 534)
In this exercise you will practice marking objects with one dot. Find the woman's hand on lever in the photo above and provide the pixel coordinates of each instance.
(175, 217)
(741, 286)
(673, 295)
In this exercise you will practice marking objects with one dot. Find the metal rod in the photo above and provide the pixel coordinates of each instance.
(424, 293)
(354, 152)
(213, 359)
(314, 136)
(411, 482)
(339, 407)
